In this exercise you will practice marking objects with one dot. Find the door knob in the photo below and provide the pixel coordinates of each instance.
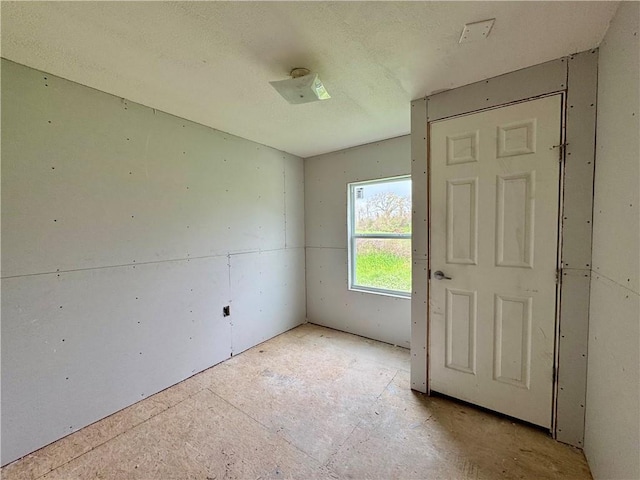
(439, 275)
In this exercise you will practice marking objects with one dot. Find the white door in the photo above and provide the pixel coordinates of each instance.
(494, 231)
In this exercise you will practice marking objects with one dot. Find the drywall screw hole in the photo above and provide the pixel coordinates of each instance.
(592, 104)
(55, 220)
(66, 378)
(63, 339)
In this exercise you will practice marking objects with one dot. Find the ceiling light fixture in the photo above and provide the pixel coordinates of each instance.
(472, 32)
(303, 87)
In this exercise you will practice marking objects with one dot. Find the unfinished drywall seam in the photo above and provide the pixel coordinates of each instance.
(577, 215)
(419, 247)
(284, 202)
(57, 271)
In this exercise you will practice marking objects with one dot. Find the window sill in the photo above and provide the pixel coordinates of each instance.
(386, 293)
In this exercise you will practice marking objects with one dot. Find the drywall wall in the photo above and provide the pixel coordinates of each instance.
(329, 301)
(125, 231)
(613, 379)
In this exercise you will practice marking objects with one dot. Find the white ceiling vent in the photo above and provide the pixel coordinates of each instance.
(473, 32)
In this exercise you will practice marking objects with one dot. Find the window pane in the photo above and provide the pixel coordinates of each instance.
(383, 263)
(383, 207)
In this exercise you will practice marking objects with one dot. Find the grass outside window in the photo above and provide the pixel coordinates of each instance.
(380, 236)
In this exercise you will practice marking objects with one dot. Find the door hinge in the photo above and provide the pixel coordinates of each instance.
(562, 147)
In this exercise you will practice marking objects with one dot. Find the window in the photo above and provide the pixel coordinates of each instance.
(379, 226)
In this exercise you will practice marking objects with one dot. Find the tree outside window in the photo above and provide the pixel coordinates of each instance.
(380, 236)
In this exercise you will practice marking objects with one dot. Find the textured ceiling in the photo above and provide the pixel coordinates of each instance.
(211, 62)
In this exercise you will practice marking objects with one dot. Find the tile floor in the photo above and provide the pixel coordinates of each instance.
(310, 403)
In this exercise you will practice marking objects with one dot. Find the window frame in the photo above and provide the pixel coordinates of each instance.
(352, 237)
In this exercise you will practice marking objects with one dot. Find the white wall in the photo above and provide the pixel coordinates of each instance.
(124, 233)
(329, 302)
(613, 383)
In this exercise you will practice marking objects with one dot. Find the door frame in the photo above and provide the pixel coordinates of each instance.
(575, 77)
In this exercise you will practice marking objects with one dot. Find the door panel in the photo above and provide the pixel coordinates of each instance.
(462, 221)
(494, 230)
(461, 330)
